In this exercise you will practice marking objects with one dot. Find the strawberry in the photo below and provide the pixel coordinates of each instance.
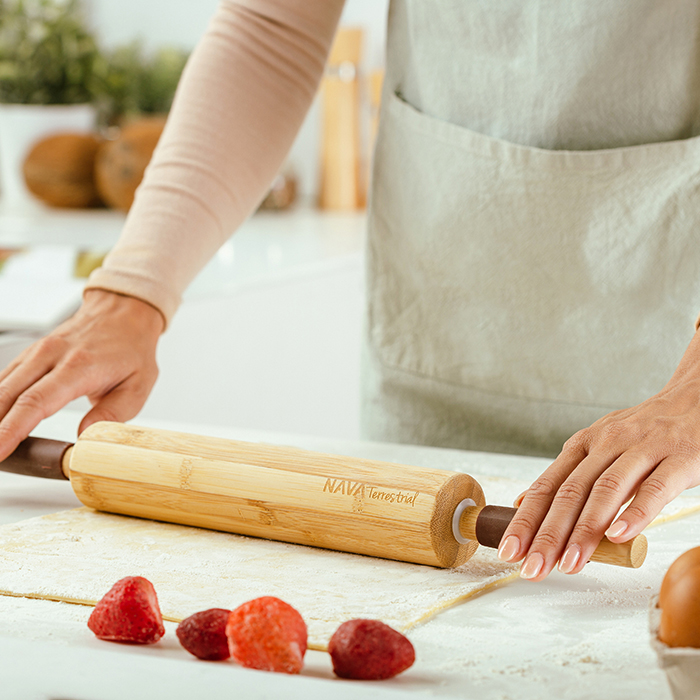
(369, 650)
(268, 634)
(204, 634)
(129, 613)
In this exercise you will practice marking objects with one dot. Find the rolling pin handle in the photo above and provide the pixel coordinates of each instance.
(487, 525)
(492, 523)
(38, 457)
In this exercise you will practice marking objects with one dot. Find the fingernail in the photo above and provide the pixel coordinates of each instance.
(570, 559)
(509, 548)
(532, 566)
(616, 529)
(519, 499)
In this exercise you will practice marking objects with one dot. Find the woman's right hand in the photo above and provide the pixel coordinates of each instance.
(106, 351)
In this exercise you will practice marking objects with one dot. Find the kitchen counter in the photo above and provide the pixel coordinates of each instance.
(568, 637)
(267, 245)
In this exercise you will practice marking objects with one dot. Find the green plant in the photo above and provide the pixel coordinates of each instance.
(47, 53)
(49, 56)
(130, 82)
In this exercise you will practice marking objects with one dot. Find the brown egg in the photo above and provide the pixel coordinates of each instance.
(680, 615)
(676, 570)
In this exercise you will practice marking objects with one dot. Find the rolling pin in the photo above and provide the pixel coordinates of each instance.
(413, 514)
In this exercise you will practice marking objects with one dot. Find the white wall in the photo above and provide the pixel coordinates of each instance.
(159, 22)
(163, 22)
(155, 22)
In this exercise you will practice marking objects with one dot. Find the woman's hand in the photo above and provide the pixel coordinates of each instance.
(649, 453)
(106, 352)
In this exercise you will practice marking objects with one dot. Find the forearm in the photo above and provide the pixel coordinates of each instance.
(240, 103)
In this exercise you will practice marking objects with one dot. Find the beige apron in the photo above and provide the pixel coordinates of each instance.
(534, 220)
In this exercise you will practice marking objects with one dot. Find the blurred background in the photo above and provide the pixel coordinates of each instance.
(180, 25)
(269, 334)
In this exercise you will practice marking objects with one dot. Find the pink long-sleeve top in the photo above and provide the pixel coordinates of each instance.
(239, 105)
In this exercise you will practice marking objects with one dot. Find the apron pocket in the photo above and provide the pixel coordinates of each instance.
(544, 276)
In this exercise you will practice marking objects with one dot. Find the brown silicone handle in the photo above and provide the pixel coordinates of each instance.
(492, 523)
(488, 524)
(37, 457)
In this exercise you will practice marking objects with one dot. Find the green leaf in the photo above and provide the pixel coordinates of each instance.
(49, 55)
(47, 52)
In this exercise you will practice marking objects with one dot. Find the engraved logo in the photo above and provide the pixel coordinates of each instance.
(185, 473)
(364, 491)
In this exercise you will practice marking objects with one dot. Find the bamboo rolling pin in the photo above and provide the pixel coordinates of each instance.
(414, 514)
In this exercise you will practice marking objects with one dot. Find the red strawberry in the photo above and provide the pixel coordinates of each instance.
(369, 650)
(267, 634)
(129, 612)
(204, 634)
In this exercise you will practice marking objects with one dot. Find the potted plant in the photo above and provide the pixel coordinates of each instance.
(47, 60)
(131, 83)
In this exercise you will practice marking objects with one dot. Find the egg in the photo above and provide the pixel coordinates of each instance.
(680, 613)
(686, 560)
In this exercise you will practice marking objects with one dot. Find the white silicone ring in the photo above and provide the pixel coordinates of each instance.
(461, 507)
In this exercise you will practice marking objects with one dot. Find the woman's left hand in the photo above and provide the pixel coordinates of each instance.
(649, 453)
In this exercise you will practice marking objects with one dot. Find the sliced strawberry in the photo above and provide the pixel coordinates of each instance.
(369, 650)
(267, 634)
(129, 613)
(204, 634)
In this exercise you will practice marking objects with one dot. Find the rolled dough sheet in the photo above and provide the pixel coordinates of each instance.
(76, 556)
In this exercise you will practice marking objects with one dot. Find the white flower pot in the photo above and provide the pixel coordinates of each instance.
(21, 126)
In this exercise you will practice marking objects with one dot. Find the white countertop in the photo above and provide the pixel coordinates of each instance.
(267, 246)
(568, 637)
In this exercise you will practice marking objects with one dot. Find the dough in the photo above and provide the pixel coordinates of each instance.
(76, 555)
